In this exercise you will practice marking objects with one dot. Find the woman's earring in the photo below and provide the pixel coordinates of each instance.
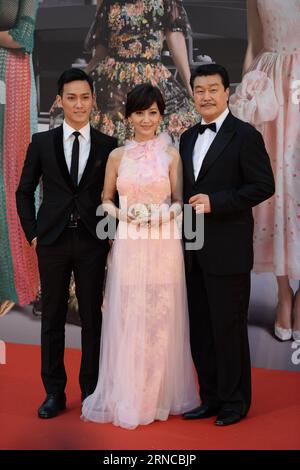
(159, 128)
(129, 130)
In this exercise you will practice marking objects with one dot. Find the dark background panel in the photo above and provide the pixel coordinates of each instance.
(219, 31)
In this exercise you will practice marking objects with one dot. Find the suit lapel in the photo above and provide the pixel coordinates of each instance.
(60, 156)
(90, 163)
(221, 140)
(189, 154)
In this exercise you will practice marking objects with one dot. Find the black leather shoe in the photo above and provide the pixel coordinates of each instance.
(203, 411)
(53, 404)
(227, 417)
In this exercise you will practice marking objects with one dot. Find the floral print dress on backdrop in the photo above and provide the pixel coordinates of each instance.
(133, 33)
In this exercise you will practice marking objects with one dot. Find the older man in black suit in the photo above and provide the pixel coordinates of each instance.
(226, 172)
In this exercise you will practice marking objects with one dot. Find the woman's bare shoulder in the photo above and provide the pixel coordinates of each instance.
(173, 152)
(116, 155)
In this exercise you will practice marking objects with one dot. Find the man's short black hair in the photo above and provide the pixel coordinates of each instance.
(211, 69)
(142, 97)
(71, 75)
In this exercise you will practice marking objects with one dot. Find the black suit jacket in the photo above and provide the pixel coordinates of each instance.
(45, 158)
(236, 174)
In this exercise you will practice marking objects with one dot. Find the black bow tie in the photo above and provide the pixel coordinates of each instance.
(212, 126)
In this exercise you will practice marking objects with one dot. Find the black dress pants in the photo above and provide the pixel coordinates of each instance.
(218, 309)
(78, 251)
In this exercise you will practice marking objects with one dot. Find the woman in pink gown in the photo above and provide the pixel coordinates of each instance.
(146, 370)
(269, 98)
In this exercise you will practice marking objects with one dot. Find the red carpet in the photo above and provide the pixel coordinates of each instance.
(273, 421)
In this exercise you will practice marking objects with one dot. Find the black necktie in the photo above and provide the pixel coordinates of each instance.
(75, 159)
(212, 126)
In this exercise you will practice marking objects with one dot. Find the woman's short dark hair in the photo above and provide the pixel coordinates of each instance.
(211, 69)
(141, 97)
(71, 75)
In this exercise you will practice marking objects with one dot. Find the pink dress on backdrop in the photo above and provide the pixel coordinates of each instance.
(269, 98)
(146, 370)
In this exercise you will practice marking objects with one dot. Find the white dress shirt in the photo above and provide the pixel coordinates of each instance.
(84, 146)
(204, 141)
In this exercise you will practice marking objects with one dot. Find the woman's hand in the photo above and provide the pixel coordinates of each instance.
(126, 216)
(91, 65)
(99, 54)
(7, 41)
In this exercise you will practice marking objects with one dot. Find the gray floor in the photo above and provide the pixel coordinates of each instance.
(21, 326)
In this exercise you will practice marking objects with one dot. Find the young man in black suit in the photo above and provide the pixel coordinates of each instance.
(71, 161)
(226, 172)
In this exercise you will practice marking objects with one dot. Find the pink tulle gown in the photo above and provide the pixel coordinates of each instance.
(269, 99)
(146, 371)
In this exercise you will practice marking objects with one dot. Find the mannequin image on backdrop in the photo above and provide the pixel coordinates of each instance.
(269, 99)
(18, 120)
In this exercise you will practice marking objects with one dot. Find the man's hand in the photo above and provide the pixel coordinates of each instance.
(201, 203)
(33, 243)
